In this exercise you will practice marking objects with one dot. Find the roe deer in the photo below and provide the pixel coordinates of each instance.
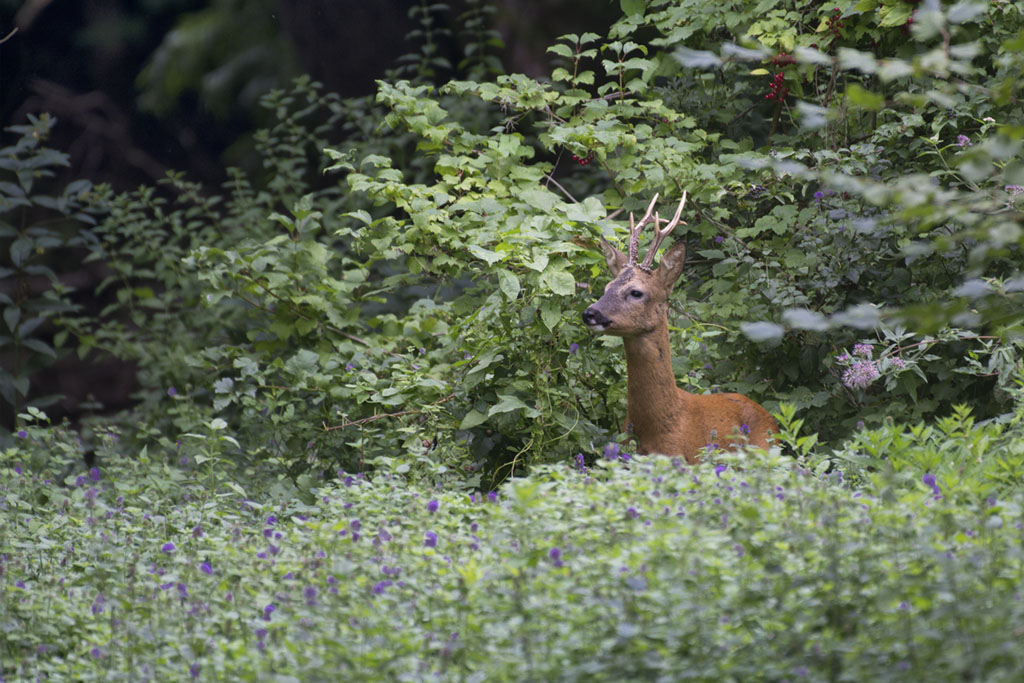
(665, 419)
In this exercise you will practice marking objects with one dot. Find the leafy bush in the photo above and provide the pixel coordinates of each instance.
(37, 221)
(620, 571)
(426, 306)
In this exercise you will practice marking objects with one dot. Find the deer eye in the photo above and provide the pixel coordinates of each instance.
(636, 294)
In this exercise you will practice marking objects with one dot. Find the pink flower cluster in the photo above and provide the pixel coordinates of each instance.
(860, 374)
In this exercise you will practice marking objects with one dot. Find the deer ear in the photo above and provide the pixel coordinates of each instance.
(671, 266)
(615, 259)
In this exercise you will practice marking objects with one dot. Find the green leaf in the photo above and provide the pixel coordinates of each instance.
(491, 257)
(472, 419)
(20, 249)
(559, 281)
(539, 262)
(509, 284)
(506, 404)
(631, 7)
(590, 210)
(12, 314)
(40, 347)
(864, 99)
(550, 314)
(539, 198)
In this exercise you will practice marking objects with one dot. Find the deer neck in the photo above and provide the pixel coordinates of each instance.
(654, 400)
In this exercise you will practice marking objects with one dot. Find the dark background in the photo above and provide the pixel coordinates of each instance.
(132, 105)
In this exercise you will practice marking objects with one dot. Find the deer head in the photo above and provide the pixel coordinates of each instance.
(635, 302)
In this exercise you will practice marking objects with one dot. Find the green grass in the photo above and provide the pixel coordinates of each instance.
(639, 570)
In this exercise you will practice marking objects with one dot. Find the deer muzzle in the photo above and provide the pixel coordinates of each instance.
(595, 319)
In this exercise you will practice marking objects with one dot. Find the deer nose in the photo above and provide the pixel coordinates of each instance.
(594, 318)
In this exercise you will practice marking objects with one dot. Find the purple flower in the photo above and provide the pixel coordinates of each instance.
(573, 348)
(719, 239)
(1013, 190)
(430, 539)
(349, 367)
(581, 464)
(963, 141)
(719, 469)
(492, 496)
(96, 653)
(22, 434)
(898, 362)
(819, 195)
(632, 513)
(206, 568)
(94, 474)
(745, 429)
(194, 669)
(432, 506)
(929, 480)
(171, 391)
(355, 525)
(268, 610)
(611, 451)
(555, 555)
(860, 374)
(168, 547)
(863, 350)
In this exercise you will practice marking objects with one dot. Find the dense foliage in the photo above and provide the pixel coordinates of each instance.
(626, 570)
(342, 357)
(865, 237)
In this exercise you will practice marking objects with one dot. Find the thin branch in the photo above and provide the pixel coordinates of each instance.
(373, 418)
(559, 186)
(615, 181)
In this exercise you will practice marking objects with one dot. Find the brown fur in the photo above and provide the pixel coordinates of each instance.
(665, 419)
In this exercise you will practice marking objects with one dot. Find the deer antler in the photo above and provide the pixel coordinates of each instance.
(634, 231)
(662, 233)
